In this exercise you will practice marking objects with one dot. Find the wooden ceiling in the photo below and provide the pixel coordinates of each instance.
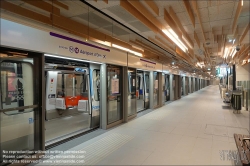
(204, 26)
(207, 26)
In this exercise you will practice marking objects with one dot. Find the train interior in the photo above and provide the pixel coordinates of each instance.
(69, 98)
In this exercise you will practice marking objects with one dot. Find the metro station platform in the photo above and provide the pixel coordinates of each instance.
(195, 130)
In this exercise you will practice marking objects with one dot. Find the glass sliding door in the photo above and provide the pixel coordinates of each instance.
(140, 93)
(132, 92)
(164, 96)
(156, 89)
(146, 89)
(19, 104)
(114, 98)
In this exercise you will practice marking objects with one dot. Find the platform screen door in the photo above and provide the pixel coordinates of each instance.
(17, 103)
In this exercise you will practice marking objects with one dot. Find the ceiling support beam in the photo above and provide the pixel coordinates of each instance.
(189, 11)
(165, 44)
(245, 51)
(172, 24)
(195, 7)
(44, 6)
(144, 11)
(237, 14)
(182, 54)
(145, 46)
(24, 12)
(131, 9)
(153, 6)
(197, 39)
(178, 23)
(60, 4)
(244, 33)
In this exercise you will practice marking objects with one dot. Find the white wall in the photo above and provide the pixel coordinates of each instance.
(243, 72)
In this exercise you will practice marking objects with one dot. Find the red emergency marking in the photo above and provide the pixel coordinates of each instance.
(52, 80)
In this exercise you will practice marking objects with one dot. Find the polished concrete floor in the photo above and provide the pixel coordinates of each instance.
(195, 130)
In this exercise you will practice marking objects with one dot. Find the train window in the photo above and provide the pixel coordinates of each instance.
(16, 86)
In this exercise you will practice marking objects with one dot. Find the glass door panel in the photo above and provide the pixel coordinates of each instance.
(164, 96)
(146, 90)
(114, 74)
(132, 92)
(17, 103)
(156, 89)
(140, 92)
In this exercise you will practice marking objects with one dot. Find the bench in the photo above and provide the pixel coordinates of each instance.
(243, 146)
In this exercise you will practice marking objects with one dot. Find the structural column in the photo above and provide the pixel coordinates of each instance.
(234, 78)
(151, 90)
(103, 97)
(184, 85)
(160, 89)
(125, 94)
(171, 87)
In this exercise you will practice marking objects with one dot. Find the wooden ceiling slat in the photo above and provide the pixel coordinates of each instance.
(158, 43)
(196, 10)
(139, 6)
(44, 6)
(69, 24)
(106, 1)
(172, 24)
(153, 6)
(197, 39)
(189, 11)
(245, 32)
(131, 9)
(245, 51)
(165, 44)
(237, 14)
(144, 46)
(58, 3)
(25, 12)
(177, 21)
(182, 54)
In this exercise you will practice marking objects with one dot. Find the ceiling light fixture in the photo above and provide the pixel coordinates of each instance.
(172, 35)
(225, 52)
(241, 2)
(127, 50)
(234, 52)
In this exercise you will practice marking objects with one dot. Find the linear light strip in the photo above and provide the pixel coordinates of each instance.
(234, 52)
(172, 35)
(127, 50)
(225, 52)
